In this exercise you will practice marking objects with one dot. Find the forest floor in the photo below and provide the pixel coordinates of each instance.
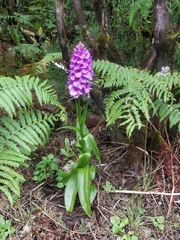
(142, 208)
(40, 213)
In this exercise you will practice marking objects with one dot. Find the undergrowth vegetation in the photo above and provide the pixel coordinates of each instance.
(33, 101)
(23, 128)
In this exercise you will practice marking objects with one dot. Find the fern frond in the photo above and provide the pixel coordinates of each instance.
(19, 92)
(161, 86)
(140, 6)
(16, 141)
(32, 129)
(7, 193)
(168, 111)
(51, 56)
(134, 93)
(13, 158)
(23, 129)
(9, 182)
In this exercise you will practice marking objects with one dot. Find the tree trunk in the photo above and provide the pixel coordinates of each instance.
(163, 42)
(164, 45)
(86, 32)
(10, 6)
(61, 31)
(103, 37)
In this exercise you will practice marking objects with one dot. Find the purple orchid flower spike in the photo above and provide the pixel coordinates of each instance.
(80, 73)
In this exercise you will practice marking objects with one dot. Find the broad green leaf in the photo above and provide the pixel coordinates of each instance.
(84, 159)
(93, 192)
(93, 172)
(83, 116)
(84, 183)
(70, 128)
(70, 193)
(92, 143)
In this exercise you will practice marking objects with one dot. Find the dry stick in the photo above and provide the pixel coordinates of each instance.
(145, 193)
(173, 188)
(92, 232)
(49, 216)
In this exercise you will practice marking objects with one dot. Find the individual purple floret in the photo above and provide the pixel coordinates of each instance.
(80, 73)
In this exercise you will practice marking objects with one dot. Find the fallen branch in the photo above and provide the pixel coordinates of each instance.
(144, 193)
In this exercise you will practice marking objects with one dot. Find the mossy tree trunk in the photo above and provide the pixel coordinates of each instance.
(163, 32)
(163, 48)
(10, 7)
(86, 32)
(61, 31)
(164, 45)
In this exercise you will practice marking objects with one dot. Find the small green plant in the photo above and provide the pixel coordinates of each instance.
(5, 228)
(118, 226)
(128, 219)
(108, 187)
(176, 225)
(158, 222)
(66, 151)
(129, 236)
(45, 168)
(48, 168)
(134, 211)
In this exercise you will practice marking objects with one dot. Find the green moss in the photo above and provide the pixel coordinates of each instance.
(103, 40)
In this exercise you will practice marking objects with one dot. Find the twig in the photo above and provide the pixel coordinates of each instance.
(38, 186)
(102, 213)
(16, 219)
(49, 216)
(173, 188)
(92, 232)
(144, 192)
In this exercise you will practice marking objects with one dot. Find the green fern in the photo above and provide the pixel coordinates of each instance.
(23, 128)
(37, 68)
(141, 6)
(31, 129)
(24, 19)
(133, 95)
(18, 93)
(15, 35)
(170, 111)
(51, 57)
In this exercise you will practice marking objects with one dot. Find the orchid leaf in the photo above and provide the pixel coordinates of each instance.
(89, 139)
(93, 172)
(71, 193)
(84, 159)
(84, 184)
(81, 113)
(70, 128)
(84, 115)
(93, 192)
